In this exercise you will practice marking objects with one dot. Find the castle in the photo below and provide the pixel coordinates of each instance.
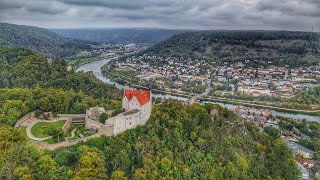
(137, 110)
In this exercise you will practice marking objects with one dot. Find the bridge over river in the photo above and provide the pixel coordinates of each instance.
(199, 96)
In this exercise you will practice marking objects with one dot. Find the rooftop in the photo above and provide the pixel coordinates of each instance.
(295, 147)
(142, 96)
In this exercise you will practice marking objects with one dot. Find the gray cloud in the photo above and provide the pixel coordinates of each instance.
(10, 4)
(117, 4)
(293, 7)
(196, 14)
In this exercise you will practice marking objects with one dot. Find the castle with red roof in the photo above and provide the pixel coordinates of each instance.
(136, 99)
(137, 110)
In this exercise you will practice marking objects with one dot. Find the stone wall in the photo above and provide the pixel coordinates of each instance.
(107, 129)
(118, 122)
(24, 118)
(67, 143)
(70, 116)
(66, 126)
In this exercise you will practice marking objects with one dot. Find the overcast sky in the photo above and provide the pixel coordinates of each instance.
(182, 14)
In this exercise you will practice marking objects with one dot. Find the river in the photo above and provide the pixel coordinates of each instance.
(95, 67)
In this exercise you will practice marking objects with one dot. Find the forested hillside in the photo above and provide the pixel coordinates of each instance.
(123, 36)
(47, 85)
(263, 46)
(178, 142)
(38, 39)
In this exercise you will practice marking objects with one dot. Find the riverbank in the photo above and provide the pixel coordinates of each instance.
(261, 106)
(76, 63)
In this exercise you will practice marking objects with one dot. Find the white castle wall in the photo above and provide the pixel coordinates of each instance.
(124, 122)
(145, 112)
(129, 105)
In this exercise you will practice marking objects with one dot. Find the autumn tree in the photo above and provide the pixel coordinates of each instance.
(91, 166)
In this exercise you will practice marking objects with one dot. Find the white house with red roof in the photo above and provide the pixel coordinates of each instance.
(137, 100)
(137, 106)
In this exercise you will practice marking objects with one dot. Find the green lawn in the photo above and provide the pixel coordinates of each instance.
(50, 141)
(40, 129)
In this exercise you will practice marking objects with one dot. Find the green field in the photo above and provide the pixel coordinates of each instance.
(123, 69)
(40, 130)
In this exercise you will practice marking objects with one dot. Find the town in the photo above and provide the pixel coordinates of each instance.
(110, 50)
(230, 78)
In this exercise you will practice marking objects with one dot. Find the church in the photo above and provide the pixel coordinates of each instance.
(137, 105)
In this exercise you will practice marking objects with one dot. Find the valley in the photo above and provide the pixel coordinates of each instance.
(158, 104)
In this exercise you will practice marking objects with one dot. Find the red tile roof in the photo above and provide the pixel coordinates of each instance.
(142, 96)
(288, 86)
(301, 161)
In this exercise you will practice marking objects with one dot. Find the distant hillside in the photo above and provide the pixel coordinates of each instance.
(38, 39)
(123, 36)
(24, 68)
(241, 45)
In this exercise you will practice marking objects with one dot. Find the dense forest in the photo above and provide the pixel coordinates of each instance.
(40, 40)
(119, 36)
(32, 82)
(26, 69)
(178, 142)
(280, 47)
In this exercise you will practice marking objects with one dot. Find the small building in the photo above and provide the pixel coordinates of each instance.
(95, 112)
(214, 112)
(45, 115)
(310, 163)
(300, 150)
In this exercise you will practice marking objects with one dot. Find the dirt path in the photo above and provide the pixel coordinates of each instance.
(72, 133)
